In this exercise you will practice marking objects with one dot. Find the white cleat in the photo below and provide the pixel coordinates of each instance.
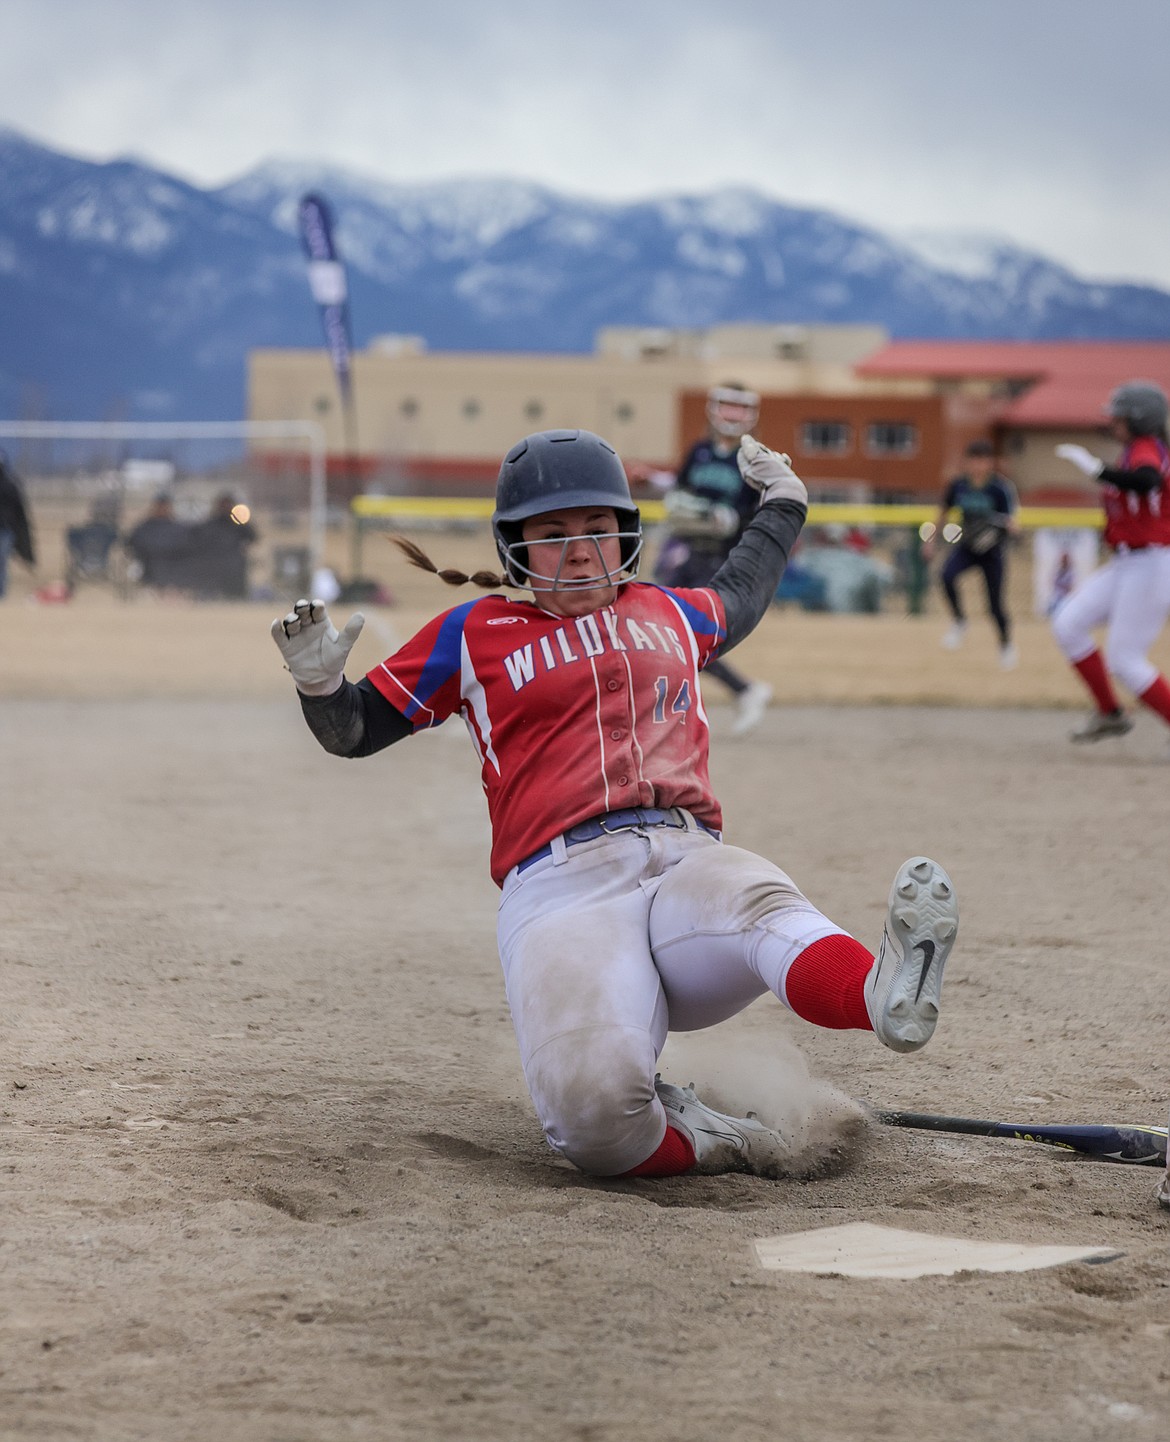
(1162, 1195)
(750, 707)
(903, 986)
(955, 637)
(722, 1143)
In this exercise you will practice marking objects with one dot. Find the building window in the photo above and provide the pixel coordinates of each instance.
(624, 411)
(891, 438)
(825, 438)
(409, 407)
(534, 410)
(471, 409)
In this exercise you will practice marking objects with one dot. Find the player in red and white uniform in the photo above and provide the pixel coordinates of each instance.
(1130, 594)
(623, 914)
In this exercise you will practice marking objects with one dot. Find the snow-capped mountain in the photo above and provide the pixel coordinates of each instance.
(126, 291)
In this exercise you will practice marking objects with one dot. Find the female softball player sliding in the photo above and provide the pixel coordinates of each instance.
(623, 914)
(1130, 594)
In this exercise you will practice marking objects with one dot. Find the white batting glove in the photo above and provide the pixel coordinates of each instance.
(1084, 460)
(314, 651)
(769, 472)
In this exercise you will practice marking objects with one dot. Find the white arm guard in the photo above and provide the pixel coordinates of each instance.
(314, 651)
(770, 473)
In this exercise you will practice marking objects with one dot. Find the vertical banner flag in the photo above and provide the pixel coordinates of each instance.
(327, 283)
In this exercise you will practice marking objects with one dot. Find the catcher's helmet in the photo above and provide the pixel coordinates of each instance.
(732, 409)
(1141, 405)
(556, 471)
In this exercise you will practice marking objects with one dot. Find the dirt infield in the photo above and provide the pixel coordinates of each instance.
(270, 1171)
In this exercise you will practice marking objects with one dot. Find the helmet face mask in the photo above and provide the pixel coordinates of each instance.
(732, 410)
(559, 471)
(515, 556)
(1141, 405)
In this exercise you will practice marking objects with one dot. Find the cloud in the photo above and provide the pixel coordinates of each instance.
(1043, 122)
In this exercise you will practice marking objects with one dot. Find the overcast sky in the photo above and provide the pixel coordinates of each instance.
(1045, 121)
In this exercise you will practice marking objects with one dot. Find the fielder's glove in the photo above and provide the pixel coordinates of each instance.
(314, 651)
(770, 473)
(1084, 460)
(985, 536)
(691, 515)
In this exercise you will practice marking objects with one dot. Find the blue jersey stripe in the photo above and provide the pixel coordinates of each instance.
(700, 622)
(446, 656)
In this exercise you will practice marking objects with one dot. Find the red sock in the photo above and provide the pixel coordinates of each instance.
(1157, 697)
(1096, 678)
(674, 1156)
(826, 982)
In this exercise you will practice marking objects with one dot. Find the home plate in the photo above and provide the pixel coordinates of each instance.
(863, 1250)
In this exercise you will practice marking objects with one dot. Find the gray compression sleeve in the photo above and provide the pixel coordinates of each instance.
(355, 720)
(747, 580)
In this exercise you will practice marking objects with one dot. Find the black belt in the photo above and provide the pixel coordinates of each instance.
(611, 821)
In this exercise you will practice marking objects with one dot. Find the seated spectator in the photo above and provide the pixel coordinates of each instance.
(220, 548)
(162, 546)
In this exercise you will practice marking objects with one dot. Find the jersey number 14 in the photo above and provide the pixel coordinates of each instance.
(682, 702)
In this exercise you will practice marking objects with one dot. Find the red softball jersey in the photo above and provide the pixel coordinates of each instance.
(571, 716)
(1132, 519)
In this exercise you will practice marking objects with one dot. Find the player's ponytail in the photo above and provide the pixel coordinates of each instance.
(489, 580)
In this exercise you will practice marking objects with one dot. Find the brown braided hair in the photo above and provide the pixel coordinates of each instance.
(489, 580)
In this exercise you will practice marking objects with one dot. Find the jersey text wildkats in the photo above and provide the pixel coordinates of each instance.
(589, 639)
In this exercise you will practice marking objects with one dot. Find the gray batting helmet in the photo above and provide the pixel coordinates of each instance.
(1141, 405)
(556, 471)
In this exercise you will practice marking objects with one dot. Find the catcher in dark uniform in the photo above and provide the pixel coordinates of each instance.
(986, 502)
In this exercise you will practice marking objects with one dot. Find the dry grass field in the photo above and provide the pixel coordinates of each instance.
(270, 1171)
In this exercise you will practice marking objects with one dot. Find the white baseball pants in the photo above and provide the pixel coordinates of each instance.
(608, 945)
(1131, 594)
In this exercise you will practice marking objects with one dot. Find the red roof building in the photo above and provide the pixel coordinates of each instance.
(1028, 396)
